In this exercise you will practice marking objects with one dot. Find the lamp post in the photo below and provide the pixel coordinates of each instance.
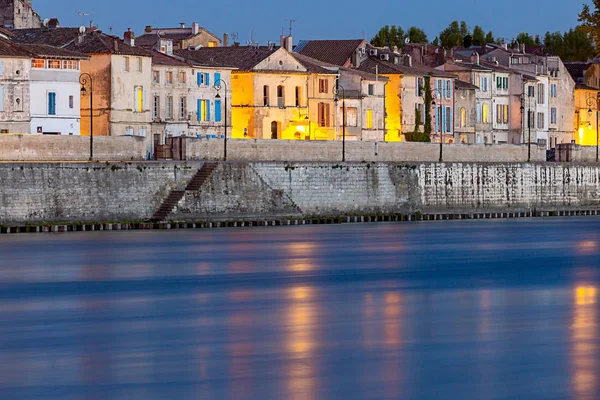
(336, 99)
(591, 102)
(438, 95)
(218, 84)
(85, 79)
(528, 126)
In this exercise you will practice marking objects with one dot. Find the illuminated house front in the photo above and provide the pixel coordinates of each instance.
(274, 95)
(586, 115)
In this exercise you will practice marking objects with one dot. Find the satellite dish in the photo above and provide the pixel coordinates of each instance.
(45, 23)
(82, 29)
(407, 40)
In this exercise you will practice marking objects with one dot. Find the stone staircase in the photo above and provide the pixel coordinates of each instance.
(175, 196)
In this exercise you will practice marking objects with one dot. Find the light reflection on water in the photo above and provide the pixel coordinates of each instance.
(451, 310)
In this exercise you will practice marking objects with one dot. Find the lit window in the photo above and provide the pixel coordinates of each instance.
(156, 76)
(182, 76)
(169, 77)
(324, 115)
(486, 114)
(203, 110)
(369, 119)
(139, 99)
(212, 44)
(463, 117)
(37, 63)
(54, 64)
(323, 86)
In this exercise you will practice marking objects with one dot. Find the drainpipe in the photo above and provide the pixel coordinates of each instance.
(384, 110)
(308, 108)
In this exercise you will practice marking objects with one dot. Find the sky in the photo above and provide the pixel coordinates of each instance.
(317, 19)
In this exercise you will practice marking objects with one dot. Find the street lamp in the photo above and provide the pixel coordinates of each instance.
(336, 99)
(591, 102)
(85, 79)
(218, 84)
(438, 95)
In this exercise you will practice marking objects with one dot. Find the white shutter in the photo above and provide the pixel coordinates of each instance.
(144, 99)
(1, 98)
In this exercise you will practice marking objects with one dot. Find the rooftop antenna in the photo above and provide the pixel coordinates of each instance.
(291, 21)
(83, 15)
(364, 35)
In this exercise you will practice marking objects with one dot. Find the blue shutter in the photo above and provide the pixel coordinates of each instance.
(437, 119)
(51, 103)
(478, 111)
(217, 77)
(451, 121)
(217, 110)
(199, 109)
(1, 68)
(208, 110)
(200, 78)
(207, 83)
(443, 125)
(450, 84)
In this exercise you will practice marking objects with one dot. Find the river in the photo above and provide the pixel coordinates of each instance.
(490, 309)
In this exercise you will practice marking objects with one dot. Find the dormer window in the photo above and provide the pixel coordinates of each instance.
(38, 63)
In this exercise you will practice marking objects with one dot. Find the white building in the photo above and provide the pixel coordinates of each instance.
(54, 90)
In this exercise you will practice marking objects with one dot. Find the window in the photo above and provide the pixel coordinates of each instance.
(448, 119)
(420, 86)
(371, 89)
(478, 112)
(126, 64)
(553, 115)
(139, 95)
(182, 107)
(483, 84)
(38, 63)
(217, 78)
(298, 96)
(203, 110)
(212, 44)
(169, 77)
(323, 114)
(142, 132)
(139, 64)
(71, 101)
(280, 96)
(486, 114)
(129, 131)
(323, 86)
(200, 78)
(218, 111)
(448, 89)
(169, 108)
(54, 64)
(351, 116)
(266, 95)
(51, 103)
(181, 76)
(369, 118)
(156, 107)
(156, 76)
(553, 90)
(463, 117)
(70, 64)
(530, 91)
(541, 93)
(540, 120)
(502, 113)
(505, 114)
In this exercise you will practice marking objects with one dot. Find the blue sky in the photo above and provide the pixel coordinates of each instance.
(318, 19)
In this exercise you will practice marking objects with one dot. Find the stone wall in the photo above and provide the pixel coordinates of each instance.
(357, 151)
(70, 148)
(68, 192)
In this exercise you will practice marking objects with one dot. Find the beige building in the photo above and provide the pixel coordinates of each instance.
(464, 112)
(18, 14)
(183, 37)
(15, 67)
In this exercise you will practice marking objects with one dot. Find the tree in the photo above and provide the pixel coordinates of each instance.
(553, 43)
(489, 38)
(591, 22)
(389, 36)
(454, 34)
(526, 39)
(478, 36)
(578, 45)
(428, 100)
(436, 41)
(417, 35)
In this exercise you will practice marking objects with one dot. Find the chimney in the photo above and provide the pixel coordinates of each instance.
(282, 41)
(182, 25)
(116, 45)
(195, 28)
(408, 60)
(288, 43)
(475, 58)
(226, 40)
(129, 37)
(505, 46)
(148, 29)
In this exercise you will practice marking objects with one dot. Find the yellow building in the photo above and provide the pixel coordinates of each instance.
(274, 94)
(586, 115)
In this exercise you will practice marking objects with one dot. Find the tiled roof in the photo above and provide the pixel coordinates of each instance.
(462, 85)
(240, 57)
(313, 65)
(365, 75)
(159, 58)
(8, 49)
(178, 34)
(45, 51)
(336, 52)
(453, 66)
(577, 69)
(92, 42)
(385, 67)
(147, 40)
(583, 86)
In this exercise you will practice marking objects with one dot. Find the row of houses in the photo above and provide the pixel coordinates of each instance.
(185, 81)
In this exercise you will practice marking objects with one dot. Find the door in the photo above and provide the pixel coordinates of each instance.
(274, 130)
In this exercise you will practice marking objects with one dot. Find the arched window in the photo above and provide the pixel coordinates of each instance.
(463, 117)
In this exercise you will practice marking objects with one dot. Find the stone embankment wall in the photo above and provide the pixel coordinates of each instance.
(70, 148)
(69, 192)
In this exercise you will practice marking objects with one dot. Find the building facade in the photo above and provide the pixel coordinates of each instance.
(15, 66)
(464, 112)
(181, 37)
(18, 14)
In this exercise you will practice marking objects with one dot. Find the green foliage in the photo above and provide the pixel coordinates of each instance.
(454, 34)
(591, 23)
(478, 36)
(526, 39)
(390, 36)
(428, 100)
(417, 135)
(436, 41)
(573, 45)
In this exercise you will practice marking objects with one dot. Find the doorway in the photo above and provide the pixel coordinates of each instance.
(275, 128)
